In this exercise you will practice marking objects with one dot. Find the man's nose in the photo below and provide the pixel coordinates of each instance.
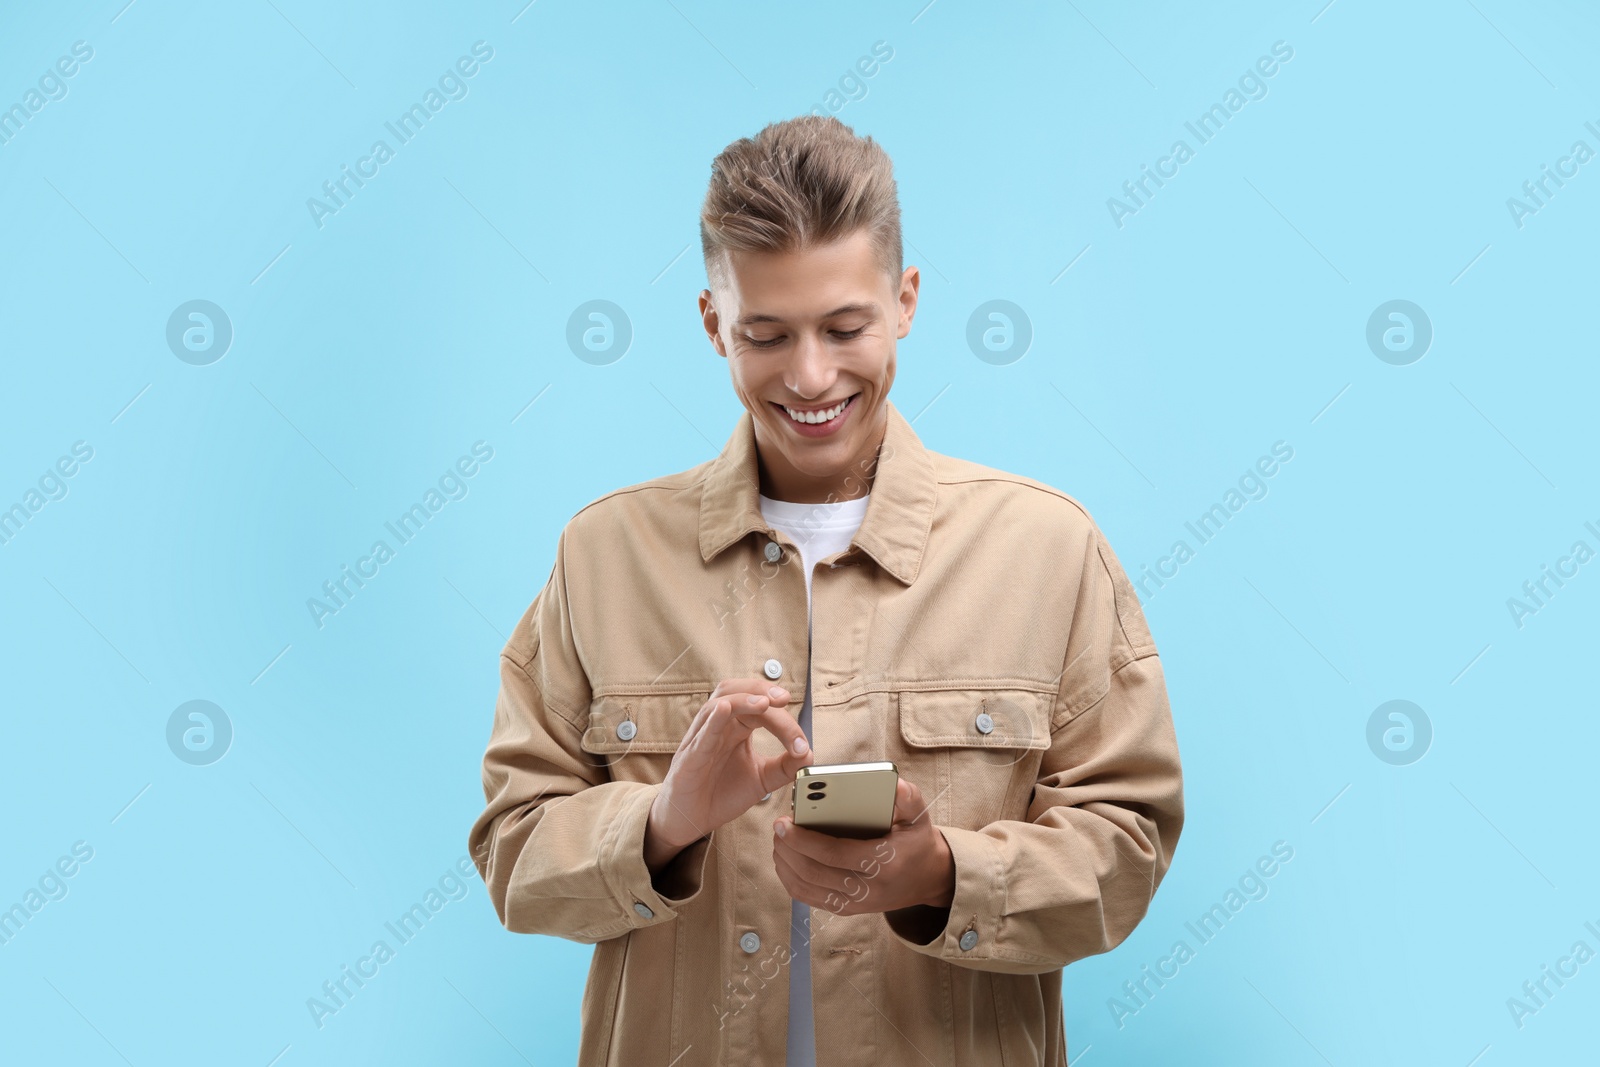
(813, 372)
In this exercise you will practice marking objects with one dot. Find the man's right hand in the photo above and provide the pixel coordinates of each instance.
(716, 775)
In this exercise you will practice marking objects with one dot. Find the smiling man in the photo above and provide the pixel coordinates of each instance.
(826, 590)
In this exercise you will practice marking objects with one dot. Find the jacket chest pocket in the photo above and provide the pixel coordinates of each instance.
(974, 753)
(636, 735)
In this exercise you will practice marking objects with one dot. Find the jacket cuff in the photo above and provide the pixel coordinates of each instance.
(640, 899)
(967, 930)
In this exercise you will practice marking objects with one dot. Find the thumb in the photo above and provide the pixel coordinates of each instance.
(777, 772)
(908, 803)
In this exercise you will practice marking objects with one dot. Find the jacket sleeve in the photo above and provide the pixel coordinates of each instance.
(560, 845)
(1078, 875)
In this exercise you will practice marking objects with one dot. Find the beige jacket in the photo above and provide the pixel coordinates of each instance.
(967, 592)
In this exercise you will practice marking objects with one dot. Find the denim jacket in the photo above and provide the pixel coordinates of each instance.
(979, 632)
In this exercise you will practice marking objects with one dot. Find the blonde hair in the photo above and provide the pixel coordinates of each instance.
(799, 183)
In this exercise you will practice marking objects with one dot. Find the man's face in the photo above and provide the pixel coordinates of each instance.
(804, 332)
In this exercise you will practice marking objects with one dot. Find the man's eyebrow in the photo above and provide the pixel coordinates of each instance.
(842, 310)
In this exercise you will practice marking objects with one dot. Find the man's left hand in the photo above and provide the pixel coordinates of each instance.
(909, 865)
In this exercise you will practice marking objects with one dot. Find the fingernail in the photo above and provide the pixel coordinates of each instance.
(780, 828)
(800, 746)
(753, 700)
(776, 693)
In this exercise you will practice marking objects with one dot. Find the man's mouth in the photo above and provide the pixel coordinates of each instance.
(817, 416)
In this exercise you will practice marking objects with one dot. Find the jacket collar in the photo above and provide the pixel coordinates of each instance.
(899, 513)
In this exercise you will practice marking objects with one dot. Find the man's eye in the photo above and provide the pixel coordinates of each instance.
(846, 336)
(762, 344)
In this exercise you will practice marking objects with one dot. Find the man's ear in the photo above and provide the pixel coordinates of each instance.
(712, 322)
(910, 284)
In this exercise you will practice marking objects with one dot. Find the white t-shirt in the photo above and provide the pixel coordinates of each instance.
(818, 530)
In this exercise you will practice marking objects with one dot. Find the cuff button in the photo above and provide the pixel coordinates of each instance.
(644, 911)
(968, 940)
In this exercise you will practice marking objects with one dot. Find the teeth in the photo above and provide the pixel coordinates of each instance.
(813, 418)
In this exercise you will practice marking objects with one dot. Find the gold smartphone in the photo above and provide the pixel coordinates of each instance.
(846, 799)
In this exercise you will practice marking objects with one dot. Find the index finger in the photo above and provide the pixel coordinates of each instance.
(733, 688)
(734, 692)
(774, 720)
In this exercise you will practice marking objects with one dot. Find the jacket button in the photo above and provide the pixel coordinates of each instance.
(626, 729)
(983, 722)
(969, 939)
(773, 669)
(774, 551)
(766, 796)
(750, 941)
(644, 911)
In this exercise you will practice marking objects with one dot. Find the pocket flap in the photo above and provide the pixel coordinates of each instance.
(1016, 718)
(658, 722)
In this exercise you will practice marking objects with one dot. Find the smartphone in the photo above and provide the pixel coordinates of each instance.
(846, 799)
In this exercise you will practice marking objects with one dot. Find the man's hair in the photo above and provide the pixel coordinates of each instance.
(797, 184)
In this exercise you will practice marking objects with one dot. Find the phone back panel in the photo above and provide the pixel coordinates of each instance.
(857, 800)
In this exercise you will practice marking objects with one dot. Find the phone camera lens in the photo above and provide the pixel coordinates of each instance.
(814, 796)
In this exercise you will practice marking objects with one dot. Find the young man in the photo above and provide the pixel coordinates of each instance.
(826, 590)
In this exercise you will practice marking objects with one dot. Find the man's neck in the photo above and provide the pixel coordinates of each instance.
(781, 481)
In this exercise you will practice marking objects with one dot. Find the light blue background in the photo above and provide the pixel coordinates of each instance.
(1229, 313)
